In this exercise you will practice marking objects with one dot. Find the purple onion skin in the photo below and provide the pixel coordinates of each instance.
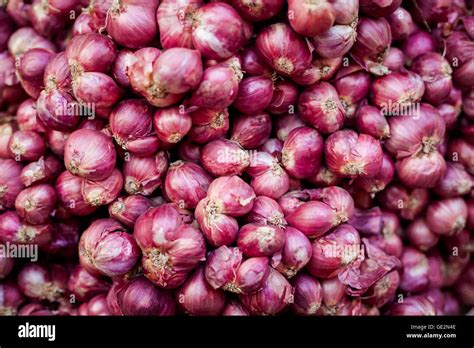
(140, 297)
(237, 157)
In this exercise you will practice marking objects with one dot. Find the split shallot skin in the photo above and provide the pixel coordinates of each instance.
(237, 158)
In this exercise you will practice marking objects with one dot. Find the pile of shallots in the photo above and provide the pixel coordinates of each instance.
(236, 157)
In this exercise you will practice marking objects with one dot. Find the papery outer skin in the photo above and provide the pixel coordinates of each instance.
(296, 253)
(273, 146)
(435, 275)
(333, 252)
(352, 155)
(413, 305)
(132, 127)
(97, 306)
(84, 24)
(283, 49)
(416, 44)
(140, 297)
(68, 188)
(463, 152)
(253, 63)
(436, 73)
(374, 267)
(333, 291)
(30, 70)
(448, 216)
(389, 240)
(410, 203)
(292, 200)
(268, 177)
(346, 11)
(266, 211)
(186, 183)
(57, 141)
(319, 105)
(84, 285)
(257, 240)
(285, 95)
(401, 23)
(337, 198)
(178, 70)
(415, 270)
(121, 66)
(174, 31)
(398, 92)
(310, 18)
(198, 297)
(91, 52)
(384, 289)
(252, 274)
(260, 11)
(132, 23)
(297, 158)
(395, 59)
(43, 283)
(255, 94)
(379, 9)
(378, 182)
(224, 157)
(351, 96)
(324, 177)
(430, 11)
(24, 39)
(218, 31)
(88, 88)
(171, 248)
(218, 88)
(272, 298)
(9, 182)
(102, 192)
(45, 20)
(308, 294)
(6, 132)
(143, 175)
(369, 120)
(251, 131)
(422, 172)
(225, 269)
(232, 195)
(235, 308)
(420, 235)
(222, 265)
(336, 41)
(53, 109)
(128, 209)
(89, 154)
(219, 229)
(373, 40)
(35, 204)
(208, 124)
(26, 146)
(171, 124)
(105, 248)
(368, 221)
(14, 230)
(285, 124)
